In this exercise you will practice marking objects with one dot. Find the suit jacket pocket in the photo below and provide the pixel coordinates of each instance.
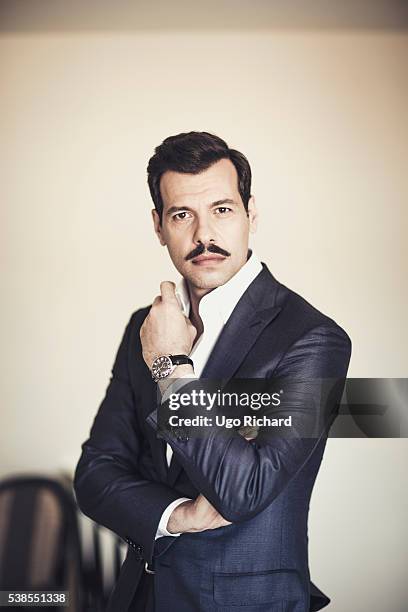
(257, 588)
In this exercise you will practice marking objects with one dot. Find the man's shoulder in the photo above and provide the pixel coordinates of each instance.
(298, 316)
(134, 323)
(298, 307)
(138, 316)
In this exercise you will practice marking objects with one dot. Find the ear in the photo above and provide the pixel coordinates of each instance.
(252, 215)
(157, 227)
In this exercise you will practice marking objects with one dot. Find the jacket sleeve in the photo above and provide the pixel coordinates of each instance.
(108, 485)
(240, 478)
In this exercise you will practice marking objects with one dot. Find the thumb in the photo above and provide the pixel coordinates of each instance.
(168, 290)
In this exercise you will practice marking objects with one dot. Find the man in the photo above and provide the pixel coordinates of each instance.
(212, 522)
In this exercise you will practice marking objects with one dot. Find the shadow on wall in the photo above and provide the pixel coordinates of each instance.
(127, 15)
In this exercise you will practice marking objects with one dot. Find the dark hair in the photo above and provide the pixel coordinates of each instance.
(192, 153)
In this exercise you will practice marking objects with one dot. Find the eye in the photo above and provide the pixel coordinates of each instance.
(223, 210)
(181, 216)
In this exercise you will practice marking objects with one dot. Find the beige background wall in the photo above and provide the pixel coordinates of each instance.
(322, 116)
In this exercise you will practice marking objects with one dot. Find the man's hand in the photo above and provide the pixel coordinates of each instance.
(194, 516)
(166, 331)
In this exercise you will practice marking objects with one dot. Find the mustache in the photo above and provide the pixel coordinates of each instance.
(212, 248)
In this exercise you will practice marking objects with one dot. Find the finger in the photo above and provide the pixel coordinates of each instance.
(168, 290)
(191, 329)
(157, 300)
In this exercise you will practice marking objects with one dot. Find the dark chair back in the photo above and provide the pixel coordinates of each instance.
(39, 538)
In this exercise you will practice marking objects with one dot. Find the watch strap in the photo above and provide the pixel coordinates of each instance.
(181, 360)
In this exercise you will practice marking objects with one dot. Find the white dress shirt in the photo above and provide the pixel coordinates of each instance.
(215, 308)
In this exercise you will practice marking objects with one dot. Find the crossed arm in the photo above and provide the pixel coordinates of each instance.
(236, 477)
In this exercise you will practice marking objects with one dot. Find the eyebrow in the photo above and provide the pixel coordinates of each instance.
(175, 209)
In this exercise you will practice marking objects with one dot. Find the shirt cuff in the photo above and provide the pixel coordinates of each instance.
(161, 529)
(175, 386)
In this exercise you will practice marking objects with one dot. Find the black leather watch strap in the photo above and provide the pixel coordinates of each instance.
(181, 360)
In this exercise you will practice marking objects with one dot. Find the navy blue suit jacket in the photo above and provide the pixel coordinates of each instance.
(260, 562)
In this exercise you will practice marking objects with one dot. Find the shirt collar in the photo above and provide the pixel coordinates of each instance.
(223, 299)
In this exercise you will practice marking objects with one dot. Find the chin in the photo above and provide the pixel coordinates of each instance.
(206, 285)
(209, 280)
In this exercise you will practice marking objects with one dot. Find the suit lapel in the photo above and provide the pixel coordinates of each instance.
(174, 470)
(236, 340)
(254, 311)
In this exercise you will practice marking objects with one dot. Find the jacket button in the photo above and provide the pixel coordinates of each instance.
(136, 547)
(180, 434)
(139, 552)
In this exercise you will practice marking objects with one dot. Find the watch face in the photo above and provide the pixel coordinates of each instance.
(162, 367)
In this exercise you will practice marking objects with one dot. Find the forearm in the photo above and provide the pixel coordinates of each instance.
(238, 477)
(115, 496)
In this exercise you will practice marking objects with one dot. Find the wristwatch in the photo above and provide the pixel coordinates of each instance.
(164, 365)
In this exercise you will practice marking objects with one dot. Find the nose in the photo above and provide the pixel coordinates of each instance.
(203, 232)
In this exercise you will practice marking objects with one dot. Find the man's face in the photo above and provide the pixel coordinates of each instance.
(205, 225)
